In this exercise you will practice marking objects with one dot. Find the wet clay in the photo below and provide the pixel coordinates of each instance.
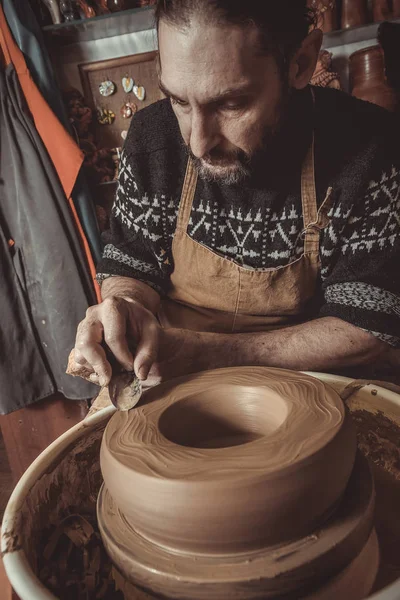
(290, 570)
(71, 483)
(220, 462)
(239, 483)
(354, 583)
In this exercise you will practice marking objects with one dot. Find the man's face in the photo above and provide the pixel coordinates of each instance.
(226, 96)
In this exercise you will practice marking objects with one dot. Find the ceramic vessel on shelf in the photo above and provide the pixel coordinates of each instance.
(381, 10)
(396, 9)
(354, 13)
(367, 73)
(116, 5)
(69, 10)
(327, 14)
(87, 11)
(54, 10)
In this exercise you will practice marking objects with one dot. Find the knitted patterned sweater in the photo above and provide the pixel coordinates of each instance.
(258, 223)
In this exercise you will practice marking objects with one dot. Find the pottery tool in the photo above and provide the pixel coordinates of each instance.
(125, 389)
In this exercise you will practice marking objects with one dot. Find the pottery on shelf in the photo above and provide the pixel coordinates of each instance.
(116, 5)
(69, 10)
(228, 478)
(367, 73)
(327, 14)
(381, 10)
(354, 13)
(396, 9)
(101, 7)
(54, 10)
(86, 9)
(389, 40)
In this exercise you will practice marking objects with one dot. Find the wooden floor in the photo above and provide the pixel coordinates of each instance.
(6, 486)
(6, 480)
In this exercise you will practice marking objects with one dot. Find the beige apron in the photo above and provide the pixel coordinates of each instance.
(212, 293)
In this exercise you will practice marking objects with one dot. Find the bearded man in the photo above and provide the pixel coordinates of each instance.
(256, 220)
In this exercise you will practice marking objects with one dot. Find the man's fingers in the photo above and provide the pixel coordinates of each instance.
(80, 359)
(88, 346)
(114, 331)
(147, 350)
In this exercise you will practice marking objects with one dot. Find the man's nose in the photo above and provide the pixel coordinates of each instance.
(204, 135)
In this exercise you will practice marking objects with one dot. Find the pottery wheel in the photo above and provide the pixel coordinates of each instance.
(224, 477)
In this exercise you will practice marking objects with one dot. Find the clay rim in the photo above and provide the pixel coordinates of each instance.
(250, 449)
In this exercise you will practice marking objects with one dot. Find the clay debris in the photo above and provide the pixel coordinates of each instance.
(75, 564)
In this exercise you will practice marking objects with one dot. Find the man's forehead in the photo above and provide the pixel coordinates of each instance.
(211, 64)
(210, 47)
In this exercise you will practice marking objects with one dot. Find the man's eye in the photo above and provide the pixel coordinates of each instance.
(179, 102)
(234, 105)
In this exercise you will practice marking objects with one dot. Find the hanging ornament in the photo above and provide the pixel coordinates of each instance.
(128, 110)
(105, 116)
(107, 88)
(127, 84)
(139, 92)
(124, 134)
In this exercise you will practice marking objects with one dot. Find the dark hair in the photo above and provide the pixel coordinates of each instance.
(283, 24)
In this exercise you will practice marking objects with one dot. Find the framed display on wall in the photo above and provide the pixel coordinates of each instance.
(116, 89)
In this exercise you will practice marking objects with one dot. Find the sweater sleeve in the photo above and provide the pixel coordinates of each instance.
(138, 244)
(360, 260)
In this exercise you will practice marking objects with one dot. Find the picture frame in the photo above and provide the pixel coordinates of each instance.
(142, 68)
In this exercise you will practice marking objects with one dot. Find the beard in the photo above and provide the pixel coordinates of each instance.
(231, 168)
(223, 167)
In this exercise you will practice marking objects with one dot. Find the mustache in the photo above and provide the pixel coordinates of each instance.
(219, 157)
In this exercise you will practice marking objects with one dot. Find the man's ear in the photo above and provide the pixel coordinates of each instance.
(303, 63)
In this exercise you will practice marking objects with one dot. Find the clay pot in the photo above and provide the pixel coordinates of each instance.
(396, 9)
(367, 73)
(381, 10)
(327, 14)
(116, 5)
(214, 441)
(354, 13)
(86, 9)
(54, 10)
(211, 454)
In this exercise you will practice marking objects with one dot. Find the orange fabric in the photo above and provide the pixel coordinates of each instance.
(64, 153)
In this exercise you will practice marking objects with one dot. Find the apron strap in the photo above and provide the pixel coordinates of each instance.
(309, 202)
(187, 196)
(314, 220)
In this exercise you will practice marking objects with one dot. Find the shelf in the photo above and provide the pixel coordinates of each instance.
(104, 26)
(356, 35)
(142, 19)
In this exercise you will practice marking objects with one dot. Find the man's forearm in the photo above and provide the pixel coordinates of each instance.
(325, 344)
(126, 287)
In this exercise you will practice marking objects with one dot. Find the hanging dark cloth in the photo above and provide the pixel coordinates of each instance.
(28, 35)
(45, 288)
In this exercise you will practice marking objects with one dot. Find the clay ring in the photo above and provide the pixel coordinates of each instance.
(221, 461)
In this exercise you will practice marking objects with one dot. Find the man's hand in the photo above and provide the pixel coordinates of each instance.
(180, 352)
(115, 321)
